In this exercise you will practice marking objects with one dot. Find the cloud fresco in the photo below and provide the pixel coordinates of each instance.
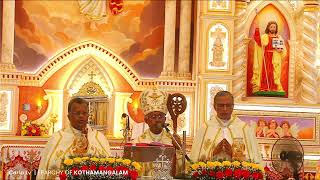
(44, 28)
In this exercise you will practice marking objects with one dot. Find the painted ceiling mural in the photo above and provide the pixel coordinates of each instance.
(133, 30)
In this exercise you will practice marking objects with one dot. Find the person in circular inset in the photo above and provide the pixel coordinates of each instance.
(272, 131)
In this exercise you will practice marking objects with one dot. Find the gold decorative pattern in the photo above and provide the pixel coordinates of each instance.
(221, 7)
(54, 149)
(54, 64)
(154, 139)
(218, 133)
(206, 144)
(245, 140)
(202, 141)
(238, 149)
(4, 102)
(59, 154)
(153, 100)
(222, 31)
(232, 136)
(67, 151)
(90, 89)
(143, 136)
(101, 145)
(311, 9)
(214, 142)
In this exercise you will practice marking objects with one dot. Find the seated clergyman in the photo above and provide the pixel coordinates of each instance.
(77, 140)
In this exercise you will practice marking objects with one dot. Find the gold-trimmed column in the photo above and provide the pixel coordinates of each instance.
(169, 39)
(309, 44)
(239, 52)
(292, 75)
(184, 39)
(318, 57)
(6, 64)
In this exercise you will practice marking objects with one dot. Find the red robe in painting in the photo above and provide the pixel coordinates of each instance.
(267, 65)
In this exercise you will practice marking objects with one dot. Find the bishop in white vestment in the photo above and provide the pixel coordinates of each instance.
(225, 126)
(149, 137)
(153, 102)
(72, 141)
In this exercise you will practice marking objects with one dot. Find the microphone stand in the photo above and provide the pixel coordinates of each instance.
(127, 130)
(184, 140)
(179, 147)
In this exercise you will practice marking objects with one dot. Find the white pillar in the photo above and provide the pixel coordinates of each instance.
(184, 39)
(309, 46)
(6, 64)
(169, 39)
(239, 51)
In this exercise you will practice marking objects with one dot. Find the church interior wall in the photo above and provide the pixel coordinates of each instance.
(242, 15)
(31, 103)
(56, 47)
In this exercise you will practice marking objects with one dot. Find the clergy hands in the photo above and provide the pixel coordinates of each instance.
(178, 139)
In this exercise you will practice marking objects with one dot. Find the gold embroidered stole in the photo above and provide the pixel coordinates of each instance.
(213, 135)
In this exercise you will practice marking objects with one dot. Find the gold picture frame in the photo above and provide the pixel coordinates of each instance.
(312, 120)
(205, 47)
(8, 113)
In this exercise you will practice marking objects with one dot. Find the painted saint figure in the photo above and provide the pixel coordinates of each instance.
(217, 53)
(217, 49)
(261, 128)
(285, 129)
(269, 54)
(96, 10)
(272, 131)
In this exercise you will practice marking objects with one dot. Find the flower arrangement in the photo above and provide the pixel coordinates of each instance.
(99, 168)
(33, 129)
(226, 170)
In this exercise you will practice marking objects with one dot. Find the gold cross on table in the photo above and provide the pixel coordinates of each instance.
(218, 33)
(91, 75)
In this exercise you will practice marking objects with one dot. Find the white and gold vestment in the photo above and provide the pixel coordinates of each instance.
(70, 141)
(215, 130)
(163, 138)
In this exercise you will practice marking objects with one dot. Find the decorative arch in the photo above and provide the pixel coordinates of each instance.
(287, 11)
(285, 8)
(82, 74)
(91, 49)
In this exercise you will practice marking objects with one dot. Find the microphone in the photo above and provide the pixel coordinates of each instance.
(124, 115)
(165, 126)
